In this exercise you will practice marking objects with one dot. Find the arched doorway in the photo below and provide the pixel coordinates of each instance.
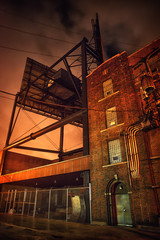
(119, 209)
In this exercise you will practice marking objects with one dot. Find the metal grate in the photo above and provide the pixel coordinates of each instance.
(114, 151)
(70, 204)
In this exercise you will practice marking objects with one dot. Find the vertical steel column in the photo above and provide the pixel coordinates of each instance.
(18, 201)
(15, 192)
(49, 204)
(30, 194)
(67, 205)
(8, 135)
(84, 98)
(9, 207)
(1, 200)
(61, 143)
(35, 202)
(11, 121)
(7, 201)
(24, 199)
(90, 198)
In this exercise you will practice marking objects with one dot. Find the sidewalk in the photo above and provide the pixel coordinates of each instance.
(13, 227)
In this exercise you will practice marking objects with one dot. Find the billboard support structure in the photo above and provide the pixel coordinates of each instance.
(58, 94)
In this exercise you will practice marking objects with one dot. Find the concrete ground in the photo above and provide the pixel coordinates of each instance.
(14, 227)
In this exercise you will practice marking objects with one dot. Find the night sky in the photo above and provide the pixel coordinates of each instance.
(125, 26)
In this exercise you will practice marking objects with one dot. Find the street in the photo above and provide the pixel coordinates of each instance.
(13, 227)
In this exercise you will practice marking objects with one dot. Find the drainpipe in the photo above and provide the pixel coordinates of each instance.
(133, 149)
(128, 166)
(134, 159)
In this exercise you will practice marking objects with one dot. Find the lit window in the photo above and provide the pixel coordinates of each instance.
(114, 151)
(50, 82)
(105, 71)
(107, 87)
(111, 117)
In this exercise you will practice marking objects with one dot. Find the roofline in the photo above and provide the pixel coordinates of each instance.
(115, 56)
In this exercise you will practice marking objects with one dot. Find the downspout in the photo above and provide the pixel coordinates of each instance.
(133, 149)
(133, 158)
(128, 166)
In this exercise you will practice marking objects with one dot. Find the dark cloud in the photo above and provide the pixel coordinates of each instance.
(67, 10)
(120, 37)
(25, 6)
(111, 49)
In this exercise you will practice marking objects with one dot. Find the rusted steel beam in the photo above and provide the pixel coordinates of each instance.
(37, 149)
(72, 151)
(47, 129)
(71, 77)
(84, 99)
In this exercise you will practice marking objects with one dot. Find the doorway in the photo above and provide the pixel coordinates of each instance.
(120, 210)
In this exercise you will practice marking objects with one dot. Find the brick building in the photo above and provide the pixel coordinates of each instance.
(124, 120)
(122, 167)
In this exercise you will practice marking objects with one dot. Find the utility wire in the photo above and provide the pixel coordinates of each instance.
(73, 146)
(54, 27)
(48, 138)
(35, 34)
(45, 54)
(80, 108)
(25, 51)
(8, 93)
(51, 26)
(6, 97)
(129, 44)
(29, 130)
(38, 22)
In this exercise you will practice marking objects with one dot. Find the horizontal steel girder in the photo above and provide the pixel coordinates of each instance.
(47, 129)
(37, 149)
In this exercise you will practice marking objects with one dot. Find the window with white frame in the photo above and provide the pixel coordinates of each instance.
(114, 151)
(107, 87)
(111, 117)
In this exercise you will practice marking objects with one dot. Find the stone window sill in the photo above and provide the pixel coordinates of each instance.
(154, 158)
(114, 164)
(107, 129)
(108, 96)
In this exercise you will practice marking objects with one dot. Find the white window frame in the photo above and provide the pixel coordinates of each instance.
(114, 148)
(107, 87)
(111, 117)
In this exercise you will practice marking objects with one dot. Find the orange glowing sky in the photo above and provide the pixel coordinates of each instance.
(125, 26)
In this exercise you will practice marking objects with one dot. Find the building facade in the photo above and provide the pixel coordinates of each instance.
(118, 182)
(124, 120)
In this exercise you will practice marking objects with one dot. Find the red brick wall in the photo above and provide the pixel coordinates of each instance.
(16, 162)
(128, 107)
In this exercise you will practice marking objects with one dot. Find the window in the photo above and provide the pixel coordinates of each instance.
(107, 87)
(111, 117)
(105, 71)
(114, 151)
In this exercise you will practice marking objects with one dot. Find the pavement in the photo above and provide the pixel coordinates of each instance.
(16, 227)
